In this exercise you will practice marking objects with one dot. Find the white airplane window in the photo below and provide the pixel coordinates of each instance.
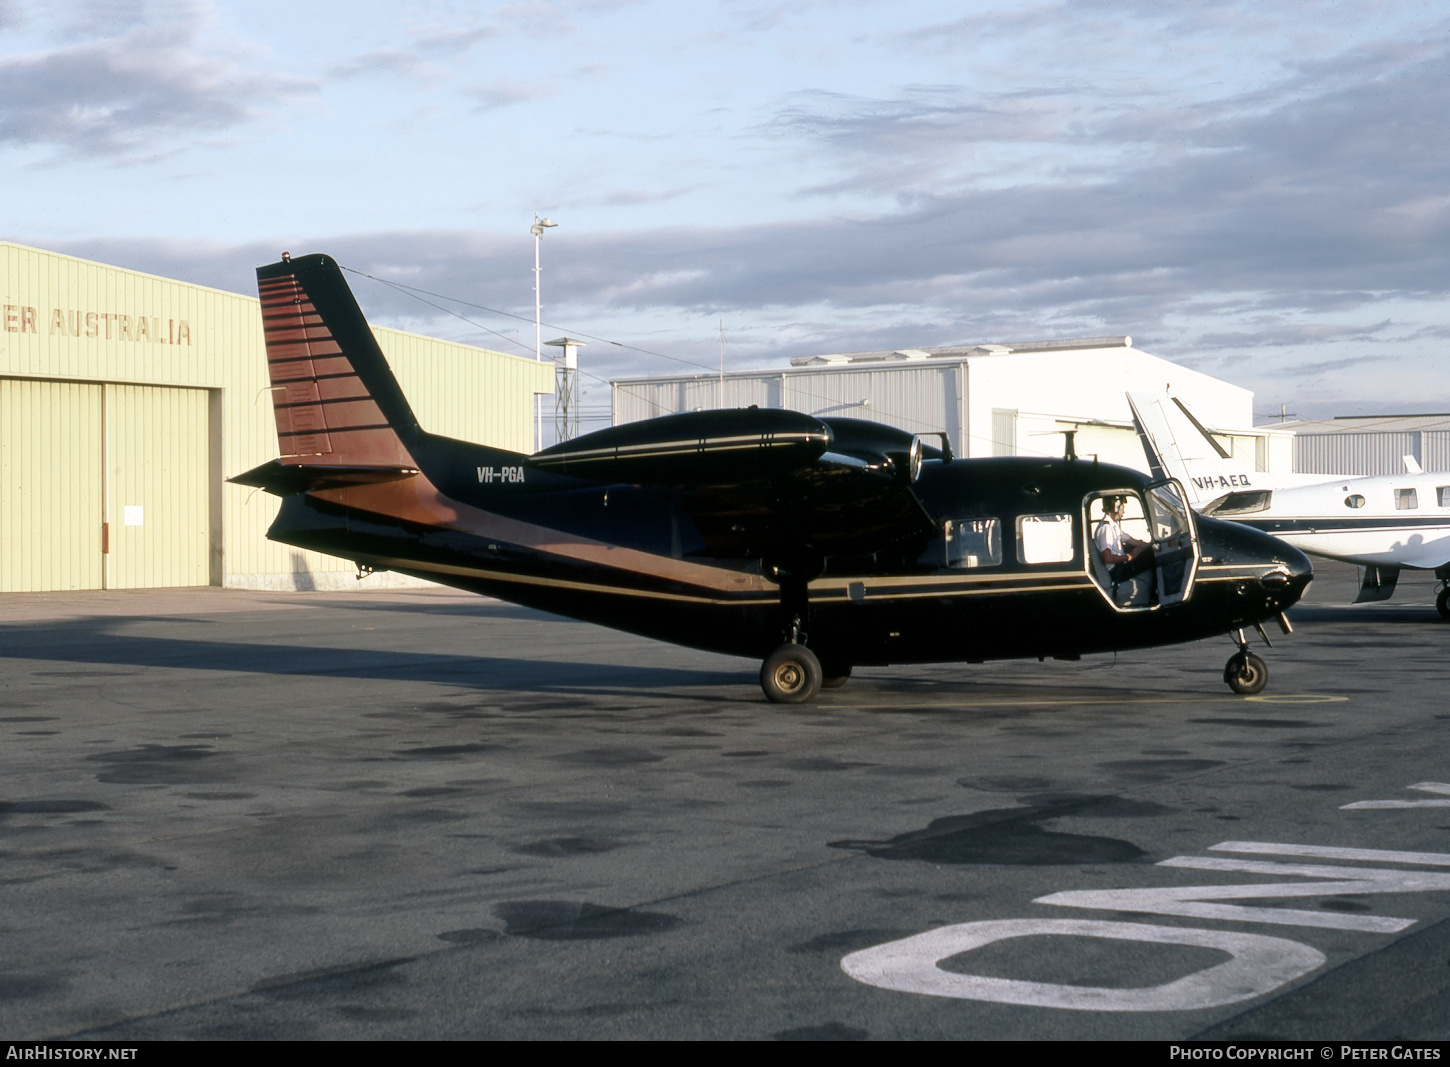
(1354, 500)
(1443, 492)
(1045, 538)
(973, 542)
(1405, 500)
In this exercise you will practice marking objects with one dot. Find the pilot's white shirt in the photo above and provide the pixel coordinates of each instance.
(1109, 536)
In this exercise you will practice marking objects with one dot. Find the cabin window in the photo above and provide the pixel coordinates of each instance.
(1443, 493)
(1354, 500)
(1045, 538)
(973, 542)
(1405, 500)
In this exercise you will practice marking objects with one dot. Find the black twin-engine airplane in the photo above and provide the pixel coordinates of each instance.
(814, 545)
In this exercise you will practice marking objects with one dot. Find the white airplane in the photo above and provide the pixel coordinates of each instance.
(1383, 523)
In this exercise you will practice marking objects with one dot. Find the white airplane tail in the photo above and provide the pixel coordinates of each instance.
(1179, 446)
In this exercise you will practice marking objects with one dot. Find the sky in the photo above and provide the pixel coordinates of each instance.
(1257, 191)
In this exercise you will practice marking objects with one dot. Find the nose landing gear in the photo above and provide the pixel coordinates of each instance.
(1245, 673)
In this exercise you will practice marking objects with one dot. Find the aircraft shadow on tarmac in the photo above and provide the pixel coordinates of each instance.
(90, 642)
(86, 643)
(475, 609)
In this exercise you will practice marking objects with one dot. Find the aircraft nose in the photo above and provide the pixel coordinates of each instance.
(1291, 574)
(1282, 572)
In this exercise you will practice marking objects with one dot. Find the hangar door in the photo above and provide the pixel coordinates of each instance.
(102, 486)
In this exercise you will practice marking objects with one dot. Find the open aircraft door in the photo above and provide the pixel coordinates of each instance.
(1174, 539)
(1158, 516)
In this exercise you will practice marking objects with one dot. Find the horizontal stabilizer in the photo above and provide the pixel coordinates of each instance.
(696, 448)
(287, 479)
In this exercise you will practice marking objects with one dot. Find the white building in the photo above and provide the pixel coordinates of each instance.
(1014, 398)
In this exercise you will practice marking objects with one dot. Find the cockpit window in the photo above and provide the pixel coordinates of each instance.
(1045, 538)
(973, 542)
(1443, 492)
(1242, 503)
(1406, 500)
(1169, 513)
(1354, 500)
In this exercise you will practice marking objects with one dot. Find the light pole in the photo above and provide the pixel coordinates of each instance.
(537, 229)
(566, 389)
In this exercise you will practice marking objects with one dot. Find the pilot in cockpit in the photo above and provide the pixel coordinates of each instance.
(1125, 557)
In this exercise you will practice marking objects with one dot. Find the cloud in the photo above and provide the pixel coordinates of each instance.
(1295, 229)
(1320, 368)
(1285, 334)
(122, 95)
(504, 94)
(455, 40)
(636, 197)
(397, 61)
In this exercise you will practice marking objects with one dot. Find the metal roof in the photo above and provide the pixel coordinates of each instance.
(998, 348)
(1367, 424)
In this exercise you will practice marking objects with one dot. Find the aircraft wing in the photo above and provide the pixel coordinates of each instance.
(769, 483)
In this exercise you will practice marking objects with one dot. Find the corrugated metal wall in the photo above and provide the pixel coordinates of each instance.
(157, 463)
(1370, 453)
(925, 399)
(66, 321)
(51, 486)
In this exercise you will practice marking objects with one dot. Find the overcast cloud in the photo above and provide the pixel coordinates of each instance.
(1257, 192)
(127, 81)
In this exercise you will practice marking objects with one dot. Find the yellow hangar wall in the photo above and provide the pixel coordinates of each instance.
(126, 400)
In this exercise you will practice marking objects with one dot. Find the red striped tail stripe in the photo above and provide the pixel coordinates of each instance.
(325, 412)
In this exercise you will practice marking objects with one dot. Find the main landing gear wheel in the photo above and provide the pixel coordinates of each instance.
(1245, 673)
(791, 675)
(1442, 603)
(836, 675)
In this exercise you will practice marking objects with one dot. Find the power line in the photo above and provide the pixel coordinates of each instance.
(413, 291)
(419, 294)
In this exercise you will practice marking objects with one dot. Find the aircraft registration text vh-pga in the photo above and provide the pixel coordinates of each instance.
(812, 544)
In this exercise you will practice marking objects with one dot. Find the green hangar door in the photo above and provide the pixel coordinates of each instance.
(102, 486)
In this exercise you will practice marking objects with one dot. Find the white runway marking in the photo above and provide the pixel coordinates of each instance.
(1390, 805)
(1191, 900)
(1257, 965)
(1329, 852)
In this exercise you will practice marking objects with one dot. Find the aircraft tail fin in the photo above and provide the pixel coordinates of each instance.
(1179, 446)
(335, 398)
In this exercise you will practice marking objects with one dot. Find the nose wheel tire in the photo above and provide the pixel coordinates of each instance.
(791, 675)
(1442, 603)
(1245, 673)
(834, 675)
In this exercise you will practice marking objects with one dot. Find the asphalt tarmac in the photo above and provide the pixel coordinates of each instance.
(427, 815)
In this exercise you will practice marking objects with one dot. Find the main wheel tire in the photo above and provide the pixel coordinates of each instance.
(791, 675)
(1442, 603)
(1246, 674)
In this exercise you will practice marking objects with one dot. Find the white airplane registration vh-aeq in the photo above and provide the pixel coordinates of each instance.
(1383, 523)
